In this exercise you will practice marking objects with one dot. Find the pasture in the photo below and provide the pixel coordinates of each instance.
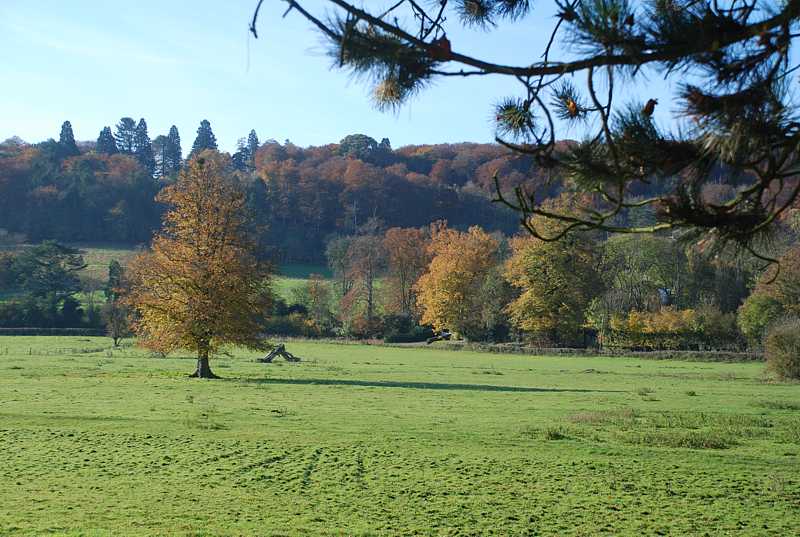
(364, 440)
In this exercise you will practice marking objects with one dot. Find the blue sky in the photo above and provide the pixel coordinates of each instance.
(180, 61)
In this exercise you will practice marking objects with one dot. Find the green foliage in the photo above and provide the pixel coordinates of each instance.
(205, 139)
(143, 149)
(782, 349)
(757, 314)
(106, 143)
(556, 283)
(50, 270)
(125, 135)
(66, 141)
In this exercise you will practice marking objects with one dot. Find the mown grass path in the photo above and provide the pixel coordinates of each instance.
(360, 440)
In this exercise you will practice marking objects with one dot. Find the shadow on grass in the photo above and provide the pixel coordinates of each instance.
(415, 385)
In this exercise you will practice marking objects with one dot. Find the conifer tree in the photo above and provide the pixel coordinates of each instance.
(162, 168)
(66, 141)
(241, 157)
(252, 147)
(106, 143)
(205, 139)
(125, 135)
(173, 152)
(730, 63)
(143, 149)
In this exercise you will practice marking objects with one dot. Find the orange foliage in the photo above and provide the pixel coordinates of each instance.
(200, 286)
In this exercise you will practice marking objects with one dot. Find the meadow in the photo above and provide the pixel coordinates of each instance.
(366, 440)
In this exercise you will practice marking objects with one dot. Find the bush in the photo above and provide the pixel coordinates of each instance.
(782, 349)
(756, 314)
(417, 334)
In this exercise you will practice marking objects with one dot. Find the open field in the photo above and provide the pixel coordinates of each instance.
(360, 440)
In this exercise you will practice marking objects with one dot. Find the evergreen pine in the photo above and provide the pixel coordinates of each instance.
(143, 149)
(205, 139)
(241, 157)
(114, 285)
(252, 147)
(66, 141)
(173, 153)
(125, 135)
(106, 143)
(160, 147)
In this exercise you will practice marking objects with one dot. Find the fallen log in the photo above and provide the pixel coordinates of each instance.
(279, 351)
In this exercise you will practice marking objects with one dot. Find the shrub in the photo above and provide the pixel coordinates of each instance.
(756, 314)
(782, 349)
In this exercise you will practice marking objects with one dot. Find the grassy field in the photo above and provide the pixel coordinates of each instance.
(360, 440)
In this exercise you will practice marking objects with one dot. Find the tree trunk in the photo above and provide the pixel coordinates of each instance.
(203, 370)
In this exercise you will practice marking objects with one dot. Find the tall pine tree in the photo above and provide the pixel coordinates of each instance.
(252, 147)
(125, 135)
(66, 141)
(241, 158)
(173, 152)
(205, 139)
(160, 144)
(106, 143)
(143, 150)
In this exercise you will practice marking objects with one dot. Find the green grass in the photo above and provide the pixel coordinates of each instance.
(360, 440)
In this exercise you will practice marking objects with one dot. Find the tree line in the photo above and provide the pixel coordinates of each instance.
(105, 190)
(405, 283)
(616, 291)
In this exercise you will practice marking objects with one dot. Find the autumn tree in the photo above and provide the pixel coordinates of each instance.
(556, 281)
(201, 285)
(407, 259)
(449, 292)
(366, 260)
(336, 253)
(315, 294)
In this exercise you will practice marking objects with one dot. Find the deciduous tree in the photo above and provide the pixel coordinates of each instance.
(407, 258)
(449, 293)
(201, 285)
(556, 281)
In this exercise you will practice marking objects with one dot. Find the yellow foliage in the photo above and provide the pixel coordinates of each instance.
(665, 321)
(200, 285)
(448, 293)
(556, 281)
